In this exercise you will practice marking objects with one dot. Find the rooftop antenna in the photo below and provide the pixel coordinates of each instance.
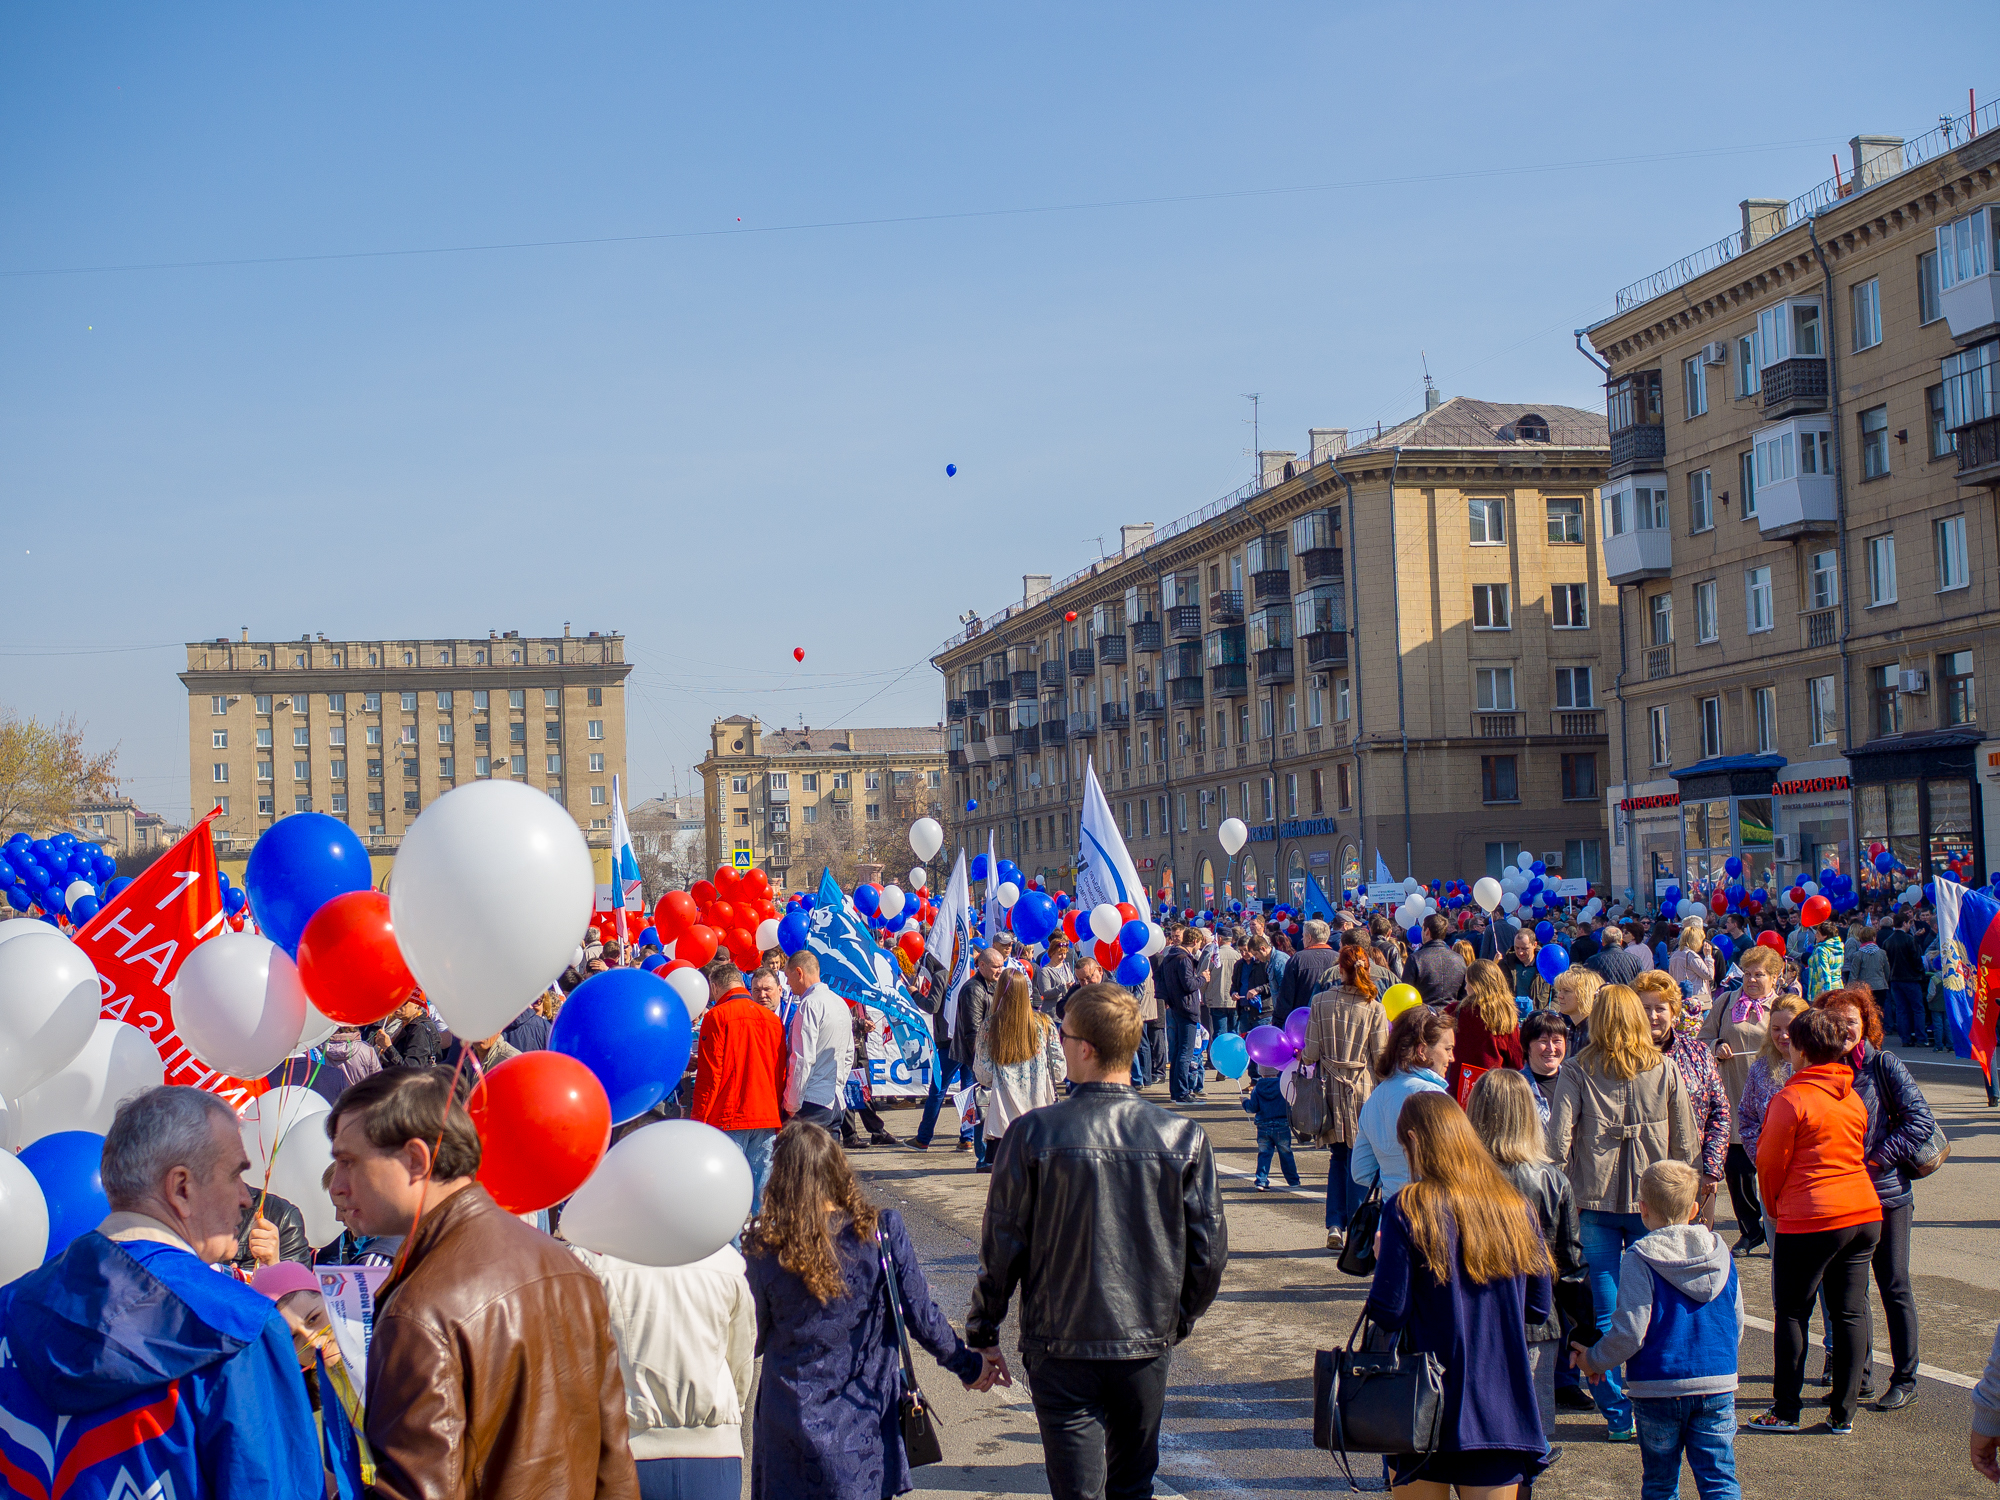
(1099, 539)
(1255, 398)
(1430, 387)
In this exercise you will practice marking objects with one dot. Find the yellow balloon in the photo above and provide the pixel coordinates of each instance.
(1399, 998)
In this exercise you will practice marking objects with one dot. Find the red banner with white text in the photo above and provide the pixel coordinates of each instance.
(138, 942)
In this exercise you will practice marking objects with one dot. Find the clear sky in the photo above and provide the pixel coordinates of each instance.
(843, 247)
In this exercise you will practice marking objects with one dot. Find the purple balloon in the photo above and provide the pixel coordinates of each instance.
(1269, 1047)
(1295, 1025)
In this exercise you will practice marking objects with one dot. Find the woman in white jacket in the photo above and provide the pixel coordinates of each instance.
(1018, 1061)
(687, 1338)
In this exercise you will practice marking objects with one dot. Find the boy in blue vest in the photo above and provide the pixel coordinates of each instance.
(1676, 1331)
(1266, 1102)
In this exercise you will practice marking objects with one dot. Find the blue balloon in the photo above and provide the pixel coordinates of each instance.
(950, 471)
(978, 867)
(1062, 897)
(222, 879)
(1035, 917)
(18, 897)
(1416, 937)
(1885, 862)
(1538, 868)
(1010, 873)
(1733, 865)
(66, 1166)
(1551, 961)
(631, 1030)
(867, 900)
(233, 900)
(1724, 946)
(1132, 970)
(1545, 931)
(1930, 891)
(649, 937)
(1230, 1055)
(972, 804)
(297, 866)
(83, 909)
(1133, 936)
(792, 932)
(653, 961)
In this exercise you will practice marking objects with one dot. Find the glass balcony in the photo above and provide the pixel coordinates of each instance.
(1149, 705)
(1184, 692)
(1637, 544)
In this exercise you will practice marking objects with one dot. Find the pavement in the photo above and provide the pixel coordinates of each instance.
(1238, 1417)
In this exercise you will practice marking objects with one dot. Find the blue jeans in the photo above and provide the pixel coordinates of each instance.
(1276, 1138)
(1142, 1059)
(1222, 1022)
(1605, 1239)
(1702, 1426)
(1343, 1194)
(1184, 1076)
(1906, 1012)
(756, 1148)
(945, 1074)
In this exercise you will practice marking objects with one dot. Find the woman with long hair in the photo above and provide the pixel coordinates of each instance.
(1345, 1033)
(1674, 1033)
(1773, 1064)
(1503, 1114)
(1735, 1030)
(1489, 1024)
(1462, 1274)
(1614, 1111)
(826, 1421)
(1412, 1061)
(1018, 1061)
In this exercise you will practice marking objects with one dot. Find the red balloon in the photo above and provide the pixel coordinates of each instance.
(798, 653)
(349, 962)
(743, 949)
(1069, 615)
(721, 914)
(1816, 910)
(697, 945)
(912, 945)
(1069, 925)
(544, 1124)
(701, 892)
(1128, 911)
(672, 964)
(1718, 902)
(727, 882)
(757, 883)
(1110, 955)
(1772, 941)
(675, 913)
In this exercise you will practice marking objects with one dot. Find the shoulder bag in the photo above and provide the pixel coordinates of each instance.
(1357, 1256)
(1937, 1150)
(920, 1436)
(1375, 1396)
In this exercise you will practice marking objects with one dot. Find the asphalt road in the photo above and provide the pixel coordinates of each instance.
(1238, 1417)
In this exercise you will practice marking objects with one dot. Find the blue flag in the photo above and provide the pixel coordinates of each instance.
(1316, 903)
(854, 968)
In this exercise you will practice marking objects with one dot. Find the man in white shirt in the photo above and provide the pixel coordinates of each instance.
(822, 1046)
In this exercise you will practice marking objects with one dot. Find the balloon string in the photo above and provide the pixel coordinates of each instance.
(430, 1167)
(278, 1141)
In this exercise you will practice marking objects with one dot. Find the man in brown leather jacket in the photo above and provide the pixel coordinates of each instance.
(493, 1372)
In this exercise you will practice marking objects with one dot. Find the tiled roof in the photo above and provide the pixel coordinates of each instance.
(924, 741)
(1461, 422)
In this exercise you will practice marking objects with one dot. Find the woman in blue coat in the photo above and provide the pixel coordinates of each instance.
(826, 1423)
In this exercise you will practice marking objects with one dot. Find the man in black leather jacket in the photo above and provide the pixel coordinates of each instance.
(1104, 1210)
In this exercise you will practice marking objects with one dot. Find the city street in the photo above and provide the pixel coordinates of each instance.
(1238, 1419)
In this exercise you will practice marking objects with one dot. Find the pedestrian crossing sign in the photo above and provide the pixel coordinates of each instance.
(743, 859)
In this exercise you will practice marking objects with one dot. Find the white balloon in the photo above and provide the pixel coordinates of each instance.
(693, 990)
(1156, 940)
(239, 1006)
(1105, 922)
(666, 1195)
(1009, 893)
(767, 934)
(49, 999)
(493, 883)
(919, 877)
(303, 1157)
(117, 1062)
(270, 1119)
(316, 1029)
(1509, 902)
(891, 905)
(926, 838)
(1523, 860)
(24, 1220)
(1913, 892)
(1486, 892)
(76, 890)
(18, 926)
(1811, 887)
(1233, 834)
(1411, 885)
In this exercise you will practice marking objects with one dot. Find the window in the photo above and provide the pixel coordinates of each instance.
(552, 731)
(1888, 699)
(409, 703)
(444, 734)
(264, 770)
(1343, 786)
(410, 803)
(1489, 522)
(1661, 739)
(811, 811)
(1943, 440)
(1789, 331)
(263, 702)
(871, 781)
(375, 768)
(1201, 806)
(554, 765)
(1930, 304)
(1183, 812)
(1495, 688)
(551, 697)
(1291, 712)
(1565, 522)
(1145, 821)
(409, 736)
(518, 764)
(1579, 778)
(1640, 508)
(481, 734)
(839, 781)
(340, 802)
(482, 765)
(1789, 451)
(1662, 620)
(597, 800)
(1706, 629)
(1757, 600)
(1766, 700)
(1749, 368)
(597, 761)
(1341, 700)
(1746, 480)
(1867, 299)
(1270, 801)
(1951, 570)
(218, 704)
(1315, 707)
(1694, 387)
(1711, 727)
(1874, 442)
(517, 697)
(298, 703)
(337, 769)
(1820, 704)
(1569, 606)
(518, 733)
(1955, 687)
(1881, 570)
(1701, 501)
(1291, 794)
(218, 739)
(219, 771)
(375, 802)
(301, 770)
(480, 699)
(298, 658)
(1125, 822)
(1264, 718)
(593, 697)
(875, 816)
(1497, 781)
(264, 739)
(301, 737)
(595, 729)
(1489, 607)
(1573, 688)
(1822, 580)
(371, 703)
(336, 734)
(1965, 248)
(1583, 859)
(739, 783)
(302, 804)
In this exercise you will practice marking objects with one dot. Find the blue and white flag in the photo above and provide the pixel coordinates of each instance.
(624, 864)
(948, 948)
(1104, 868)
(854, 968)
(1316, 903)
(1382, 875)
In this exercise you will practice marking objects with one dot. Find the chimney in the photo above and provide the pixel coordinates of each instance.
(1762, 218)
(1433, 398)
(1130, 537)
(246, 634)
(1326, 443)
(565, 629)
(1272, 466)
(1877, 158)
(1034, 585)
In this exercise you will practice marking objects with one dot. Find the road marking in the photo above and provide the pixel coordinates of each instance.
(1931, 1372)
(1296, 1192)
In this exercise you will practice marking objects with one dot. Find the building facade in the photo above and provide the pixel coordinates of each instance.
(120, 826)
(1800, 524)
(1395, 647)
(373, 732)
(776, 795)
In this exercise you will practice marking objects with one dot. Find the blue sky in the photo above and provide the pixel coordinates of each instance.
(730, 440)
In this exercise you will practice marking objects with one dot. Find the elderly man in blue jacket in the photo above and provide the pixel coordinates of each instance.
(130, 1367)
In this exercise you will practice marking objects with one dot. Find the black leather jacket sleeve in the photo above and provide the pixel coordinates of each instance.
(1003, 1243)
(1207, 1238)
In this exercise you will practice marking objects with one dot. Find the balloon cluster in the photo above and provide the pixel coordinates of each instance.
(59, 877)
(1119, 938)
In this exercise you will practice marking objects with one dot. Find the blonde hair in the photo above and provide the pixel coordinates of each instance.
(1656, 982)
(1503, 1115)
(1455, 1188)
(1014, 1032)
(1580, 985)
(1692, 934)
(1621, 1043)
(1668, 1189)
(1783, 1010)
(1488, 993)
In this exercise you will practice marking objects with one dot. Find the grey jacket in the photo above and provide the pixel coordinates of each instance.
(1606, 1131)
(1695, 1260)
(1867, 965)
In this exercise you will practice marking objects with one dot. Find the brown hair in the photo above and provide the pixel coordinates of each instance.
(1817, 1037)
(1487, 991)
(809, 1171)
(1466, 952)
(1454, 1187)
(1014, 1031)
(1783, 1010)
(723, 978)
(1107, 1017)
(1414, 1033)
(400, 1105)
(1354, 969)
(1504, 1116)
(1621, 1043)
(1436, 925)
(1758, 959)
(1862, 1002)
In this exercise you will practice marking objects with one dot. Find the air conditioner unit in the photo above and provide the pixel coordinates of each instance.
(1553, 859)
(1716, 353)
(1781, 848)
(1914, 680)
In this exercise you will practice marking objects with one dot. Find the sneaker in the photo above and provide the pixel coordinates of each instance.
(855, 1143)
(1336, 1240)
(1897, 1397)
(1770, 1421)
(1840, 1429)
(984, 1166)
(918, 1145)
(1627, 1435)
(964, 1144)
(1263, 1187)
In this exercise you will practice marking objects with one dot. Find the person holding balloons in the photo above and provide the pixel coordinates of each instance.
(1345, 1032)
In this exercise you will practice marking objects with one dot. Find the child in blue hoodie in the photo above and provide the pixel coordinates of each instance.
(1266, 1101)
(1676, 1330)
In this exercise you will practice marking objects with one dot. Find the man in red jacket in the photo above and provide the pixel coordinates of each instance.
(739, 1072)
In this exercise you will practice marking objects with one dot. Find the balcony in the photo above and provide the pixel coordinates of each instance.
(1495, 726)
(1115, 716)
(1639, 555)
(1577, 723)
(1792, 386)
(1979, 452)
(1082, 726)
(1001, 690)
(1636, 448)
(1051, 673)
(777, 796)
(955, 759)
(1184, 622)
(976, 754)
(1028, 741)
(1659, 662)
(976, 700)
(1326, 563)
(1325, 648)
(1230, 680)
(1271, 587)
(1149, 705)
(1001, 745)
(1225, 607)
(1798, 506)
(1111, 649)
(1274, 666)
(1147, 635)
(1184, 692)
(1184, 661)
(1024, 684)
(954, 708)
(1819, 627)
(1055, 730)
(1637, 543)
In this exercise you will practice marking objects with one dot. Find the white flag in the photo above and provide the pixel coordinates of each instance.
(996, 914)
(624, 866)
(1104, 868)
(1382, 875)
(948, 949)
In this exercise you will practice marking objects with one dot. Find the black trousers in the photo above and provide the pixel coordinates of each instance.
(1100, 1421)
(1891, 1263)
(1800, 1263)
(870, 1121)
(1740, 1172)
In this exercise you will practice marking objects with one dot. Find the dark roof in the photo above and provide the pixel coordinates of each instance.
(1719, 763)
(1902, 744)
(1462, 422)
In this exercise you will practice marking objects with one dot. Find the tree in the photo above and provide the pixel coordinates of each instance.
(845, 845)
(670, 861)
(46, 774)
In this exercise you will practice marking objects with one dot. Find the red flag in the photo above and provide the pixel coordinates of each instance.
(139, 941)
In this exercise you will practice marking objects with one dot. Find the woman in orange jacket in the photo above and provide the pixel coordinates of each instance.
(1812, 1174)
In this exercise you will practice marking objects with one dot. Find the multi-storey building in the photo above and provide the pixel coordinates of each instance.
(770, 792)
(372, 732)
(120, 826)
(1396, 646)
(1800, 523)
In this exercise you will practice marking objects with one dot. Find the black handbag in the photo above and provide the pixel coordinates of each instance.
(1375, 1396)
(1357, 1256)
(920, 1436)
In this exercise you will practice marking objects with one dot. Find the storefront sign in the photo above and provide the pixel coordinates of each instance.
(1263, 833)
(1307, 828)
(1320, 857)
(1812, 786)
(1640, 804)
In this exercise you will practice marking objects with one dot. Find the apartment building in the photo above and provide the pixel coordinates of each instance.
(1800, 525)
(1396, 645)
(774, 793)
(373, 732)
(120, 826)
